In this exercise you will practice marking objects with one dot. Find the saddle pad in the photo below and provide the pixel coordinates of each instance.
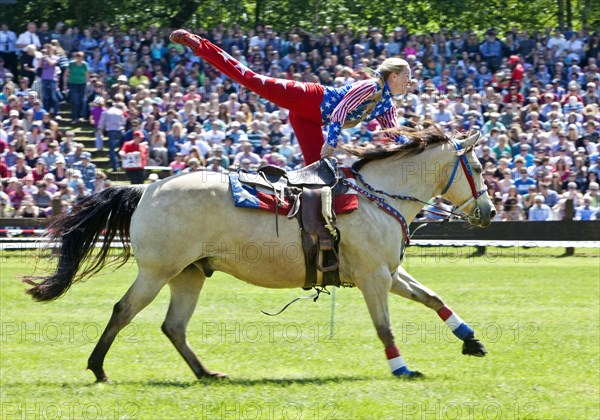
(250, 197)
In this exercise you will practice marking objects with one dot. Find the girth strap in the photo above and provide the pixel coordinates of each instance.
(319, 245)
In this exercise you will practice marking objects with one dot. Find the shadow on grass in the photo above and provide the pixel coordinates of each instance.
(280, 382)
(243, 381)
(298, 381)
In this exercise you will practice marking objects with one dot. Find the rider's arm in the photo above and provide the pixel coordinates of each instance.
(388, 120)
(355, 96)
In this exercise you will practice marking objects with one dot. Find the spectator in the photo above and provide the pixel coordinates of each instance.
(28, 63)
(437, 210)
(157, 148)
(8, 48)
(49, 76)
(76, 77)
(112, 123)
(246, 153)
(586, 211)
(220, 157)
(235, 131)
(39, 171)
(512, 211)
(135, 154)
(178, 164)
(524, 181)
(87, 170)
(17, 195)
(193, 166)
(51, 155)
(29, 37)
(540, 211)
(28, 209)
(551, 197)
(42, 199)
(96, 110)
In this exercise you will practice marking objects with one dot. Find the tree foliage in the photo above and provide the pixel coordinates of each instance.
(419, 16)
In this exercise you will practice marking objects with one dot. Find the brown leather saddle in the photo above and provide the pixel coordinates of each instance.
(304, 188)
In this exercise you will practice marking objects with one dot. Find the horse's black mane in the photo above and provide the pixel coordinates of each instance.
(419, 139)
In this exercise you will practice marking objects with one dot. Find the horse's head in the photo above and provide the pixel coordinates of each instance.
(464, 185)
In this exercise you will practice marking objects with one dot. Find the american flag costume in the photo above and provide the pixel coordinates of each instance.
(311, 105)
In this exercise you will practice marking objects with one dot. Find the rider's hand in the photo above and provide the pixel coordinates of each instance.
(327, 151)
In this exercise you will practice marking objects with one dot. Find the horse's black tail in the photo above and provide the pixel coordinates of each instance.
(106, 213)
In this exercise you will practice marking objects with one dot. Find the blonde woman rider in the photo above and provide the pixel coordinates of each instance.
(311, 105)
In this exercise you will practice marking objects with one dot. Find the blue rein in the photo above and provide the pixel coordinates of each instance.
(380, 202)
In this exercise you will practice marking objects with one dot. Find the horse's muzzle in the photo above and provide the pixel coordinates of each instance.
(481, 218)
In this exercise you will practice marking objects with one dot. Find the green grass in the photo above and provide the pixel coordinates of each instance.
(538, 316)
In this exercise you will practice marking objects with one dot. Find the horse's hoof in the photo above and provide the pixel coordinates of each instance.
(99, 374)
(406, 373)
(473, 347)
(183, 37)
(214, 375)
(411, 375)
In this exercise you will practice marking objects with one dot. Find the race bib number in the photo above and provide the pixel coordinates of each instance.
(132, 160)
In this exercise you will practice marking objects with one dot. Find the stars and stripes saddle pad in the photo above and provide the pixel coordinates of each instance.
(252, 197)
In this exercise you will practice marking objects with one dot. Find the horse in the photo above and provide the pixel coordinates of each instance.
(429, 163)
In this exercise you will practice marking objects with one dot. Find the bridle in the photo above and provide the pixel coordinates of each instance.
(464, 163)
(371, 193)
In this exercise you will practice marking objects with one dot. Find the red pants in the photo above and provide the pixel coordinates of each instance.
(303, 100)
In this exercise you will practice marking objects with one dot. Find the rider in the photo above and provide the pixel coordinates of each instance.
(312, 105)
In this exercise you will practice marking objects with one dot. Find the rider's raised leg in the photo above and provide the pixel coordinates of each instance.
(302, 98)
(309, 136)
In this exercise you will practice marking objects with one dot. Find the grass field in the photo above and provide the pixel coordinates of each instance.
(538, 316)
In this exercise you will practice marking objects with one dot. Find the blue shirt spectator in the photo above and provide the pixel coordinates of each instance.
(586, 212)
(540, 211)
(524, 182)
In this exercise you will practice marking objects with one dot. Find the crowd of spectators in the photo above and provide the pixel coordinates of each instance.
(534, 96)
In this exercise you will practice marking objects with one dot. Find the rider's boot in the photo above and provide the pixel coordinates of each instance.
(183, 37)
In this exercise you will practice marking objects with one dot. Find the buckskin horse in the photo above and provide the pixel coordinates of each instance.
(395, 177)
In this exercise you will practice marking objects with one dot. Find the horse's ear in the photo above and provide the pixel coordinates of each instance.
(472, 140)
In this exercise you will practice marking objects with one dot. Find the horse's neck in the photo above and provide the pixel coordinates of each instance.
(415, 175)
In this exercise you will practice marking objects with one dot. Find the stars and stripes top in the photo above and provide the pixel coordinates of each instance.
(345, 106)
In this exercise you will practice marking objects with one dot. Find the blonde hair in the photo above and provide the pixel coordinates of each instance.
(391, 65)
(383, 72)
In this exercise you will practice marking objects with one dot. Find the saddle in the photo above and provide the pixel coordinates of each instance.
(311, 190)
(319, 174)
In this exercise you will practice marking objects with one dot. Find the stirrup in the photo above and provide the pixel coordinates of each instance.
(333, 266)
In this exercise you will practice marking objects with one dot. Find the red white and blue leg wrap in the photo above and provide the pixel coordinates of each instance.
(397, 363)
(460, 328)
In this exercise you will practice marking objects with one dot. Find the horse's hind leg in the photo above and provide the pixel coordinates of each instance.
(185, 288)
(375, 291)
(143, 291)
(403, 284)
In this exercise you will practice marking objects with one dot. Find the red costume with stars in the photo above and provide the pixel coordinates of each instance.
(311, 105)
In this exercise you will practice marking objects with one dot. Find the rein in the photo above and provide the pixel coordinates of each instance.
(464, 163)
(314, 297)
(380, 202)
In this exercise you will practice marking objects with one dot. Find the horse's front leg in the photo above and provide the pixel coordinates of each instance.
(405, 285)
(375, 291)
